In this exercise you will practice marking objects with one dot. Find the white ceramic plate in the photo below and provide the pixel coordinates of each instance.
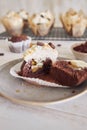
(20, 91)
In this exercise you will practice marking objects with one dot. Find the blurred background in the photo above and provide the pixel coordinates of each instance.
(35, 6)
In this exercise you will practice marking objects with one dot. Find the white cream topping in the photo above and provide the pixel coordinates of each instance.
(23, 14)
(40, 53)
(39, 19)
(43, 17)
(10, 14)
(78, 63)
(13, 19)
(74, 17)
(16, 22)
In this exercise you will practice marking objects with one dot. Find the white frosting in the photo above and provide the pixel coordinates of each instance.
(75, 17)
(40, 53)
(45, 19)
(23, 14)
(10, 14)
(39, 19)
(78, 63)
(14, 20)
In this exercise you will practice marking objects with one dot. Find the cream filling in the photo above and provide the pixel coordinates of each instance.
(23, 14)
(78, 64)
(40, 54)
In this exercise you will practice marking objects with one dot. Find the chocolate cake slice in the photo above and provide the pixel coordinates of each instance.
(37, 72)
(38, 60)
(68, 73)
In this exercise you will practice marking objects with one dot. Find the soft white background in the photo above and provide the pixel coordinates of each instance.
(33, 6)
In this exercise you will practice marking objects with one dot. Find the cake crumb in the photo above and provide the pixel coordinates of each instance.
(1, 54)
(59, 45)
(73, 91)
(17, 90)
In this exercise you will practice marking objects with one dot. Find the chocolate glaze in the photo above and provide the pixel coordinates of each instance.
(81, 48)
(18, 38)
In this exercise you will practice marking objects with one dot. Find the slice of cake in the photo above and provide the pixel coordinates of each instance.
(38, 59)
(69, 72)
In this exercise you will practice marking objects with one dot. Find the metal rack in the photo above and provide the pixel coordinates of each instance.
(55, 34)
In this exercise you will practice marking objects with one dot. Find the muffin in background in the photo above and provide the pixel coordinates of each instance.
(13, 23)
(41, 23)
(19, 44)
(25, 16)
(74, 22)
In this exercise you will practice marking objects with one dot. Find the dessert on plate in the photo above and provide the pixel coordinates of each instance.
(41, 23)
(13, 23)
(38, 59)
(74, 22)
(41, 61)
(19, 44)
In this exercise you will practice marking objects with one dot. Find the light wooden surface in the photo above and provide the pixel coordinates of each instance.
(70, 115)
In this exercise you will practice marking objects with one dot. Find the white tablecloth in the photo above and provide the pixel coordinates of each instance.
(70, 115)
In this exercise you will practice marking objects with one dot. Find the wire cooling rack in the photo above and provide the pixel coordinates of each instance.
(54, 34)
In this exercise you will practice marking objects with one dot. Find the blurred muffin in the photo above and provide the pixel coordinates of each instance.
(13, 23)
(41, 23)
(74, 22)
(19, 44)
(24, 15)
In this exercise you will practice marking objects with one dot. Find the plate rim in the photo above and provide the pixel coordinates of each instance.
(40, 103)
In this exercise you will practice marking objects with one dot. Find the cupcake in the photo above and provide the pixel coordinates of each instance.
(41, 23)
(13, 23)
(19, 44)
(24, 15)
(74, 22)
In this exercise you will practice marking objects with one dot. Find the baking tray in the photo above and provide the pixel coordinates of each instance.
(57, 33)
